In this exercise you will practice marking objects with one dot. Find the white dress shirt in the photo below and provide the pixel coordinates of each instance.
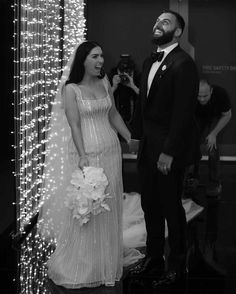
(157, 64)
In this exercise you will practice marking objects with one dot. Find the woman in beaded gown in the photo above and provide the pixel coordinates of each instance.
(89, 255)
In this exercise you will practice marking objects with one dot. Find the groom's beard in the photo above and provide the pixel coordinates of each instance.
(166, 37)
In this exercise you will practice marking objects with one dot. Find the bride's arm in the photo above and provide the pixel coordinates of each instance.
(73, 118)
(116, 120)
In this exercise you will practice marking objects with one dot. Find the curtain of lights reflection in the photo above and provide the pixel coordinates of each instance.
(46, 32)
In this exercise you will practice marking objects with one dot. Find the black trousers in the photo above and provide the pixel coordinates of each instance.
(161, 200)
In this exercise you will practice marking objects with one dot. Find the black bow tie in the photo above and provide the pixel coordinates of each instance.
(157, 56)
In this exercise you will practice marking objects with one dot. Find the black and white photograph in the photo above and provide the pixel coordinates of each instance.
(118, 147)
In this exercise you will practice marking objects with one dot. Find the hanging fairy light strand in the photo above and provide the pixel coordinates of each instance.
(38, 57)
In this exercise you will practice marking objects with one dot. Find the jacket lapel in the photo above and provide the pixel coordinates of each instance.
(145, 74)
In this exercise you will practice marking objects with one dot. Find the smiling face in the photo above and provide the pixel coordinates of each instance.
(165, 29)
(94, 62)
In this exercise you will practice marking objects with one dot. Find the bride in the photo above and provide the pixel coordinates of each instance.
(84, 126)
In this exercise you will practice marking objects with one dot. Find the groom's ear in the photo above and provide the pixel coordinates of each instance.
(178, 32)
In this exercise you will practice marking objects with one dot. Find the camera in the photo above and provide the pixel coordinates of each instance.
(123, 78)
(125, 66)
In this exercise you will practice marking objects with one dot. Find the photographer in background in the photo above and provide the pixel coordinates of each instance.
(124, 81)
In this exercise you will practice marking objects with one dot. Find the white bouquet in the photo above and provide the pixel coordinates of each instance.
(86, 193)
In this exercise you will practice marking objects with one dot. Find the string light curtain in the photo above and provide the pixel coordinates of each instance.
(46, 31)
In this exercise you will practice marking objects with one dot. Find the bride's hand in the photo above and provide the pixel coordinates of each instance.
(83, 161)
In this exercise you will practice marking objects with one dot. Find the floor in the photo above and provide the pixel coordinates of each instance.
(211, 254)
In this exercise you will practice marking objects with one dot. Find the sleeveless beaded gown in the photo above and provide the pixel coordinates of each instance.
(91, 255)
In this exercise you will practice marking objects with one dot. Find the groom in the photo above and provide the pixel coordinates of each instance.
(164, 121)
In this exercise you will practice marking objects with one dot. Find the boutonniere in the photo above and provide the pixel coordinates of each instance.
(163, 67)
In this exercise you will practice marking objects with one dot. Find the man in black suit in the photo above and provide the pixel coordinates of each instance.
(164, 122)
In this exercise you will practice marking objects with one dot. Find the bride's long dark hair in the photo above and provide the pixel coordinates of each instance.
(77, 69)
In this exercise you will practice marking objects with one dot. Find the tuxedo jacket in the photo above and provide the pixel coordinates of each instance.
(164, 119)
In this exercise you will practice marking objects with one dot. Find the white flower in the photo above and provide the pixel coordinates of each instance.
(77, 178)
(95, 175)
(83, 205)
(163, 67)
(105, 206)
(86, 193)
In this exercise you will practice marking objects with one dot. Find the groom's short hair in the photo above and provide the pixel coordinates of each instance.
(179, 18)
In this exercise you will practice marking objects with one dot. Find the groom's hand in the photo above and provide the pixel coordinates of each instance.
(164, 163)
